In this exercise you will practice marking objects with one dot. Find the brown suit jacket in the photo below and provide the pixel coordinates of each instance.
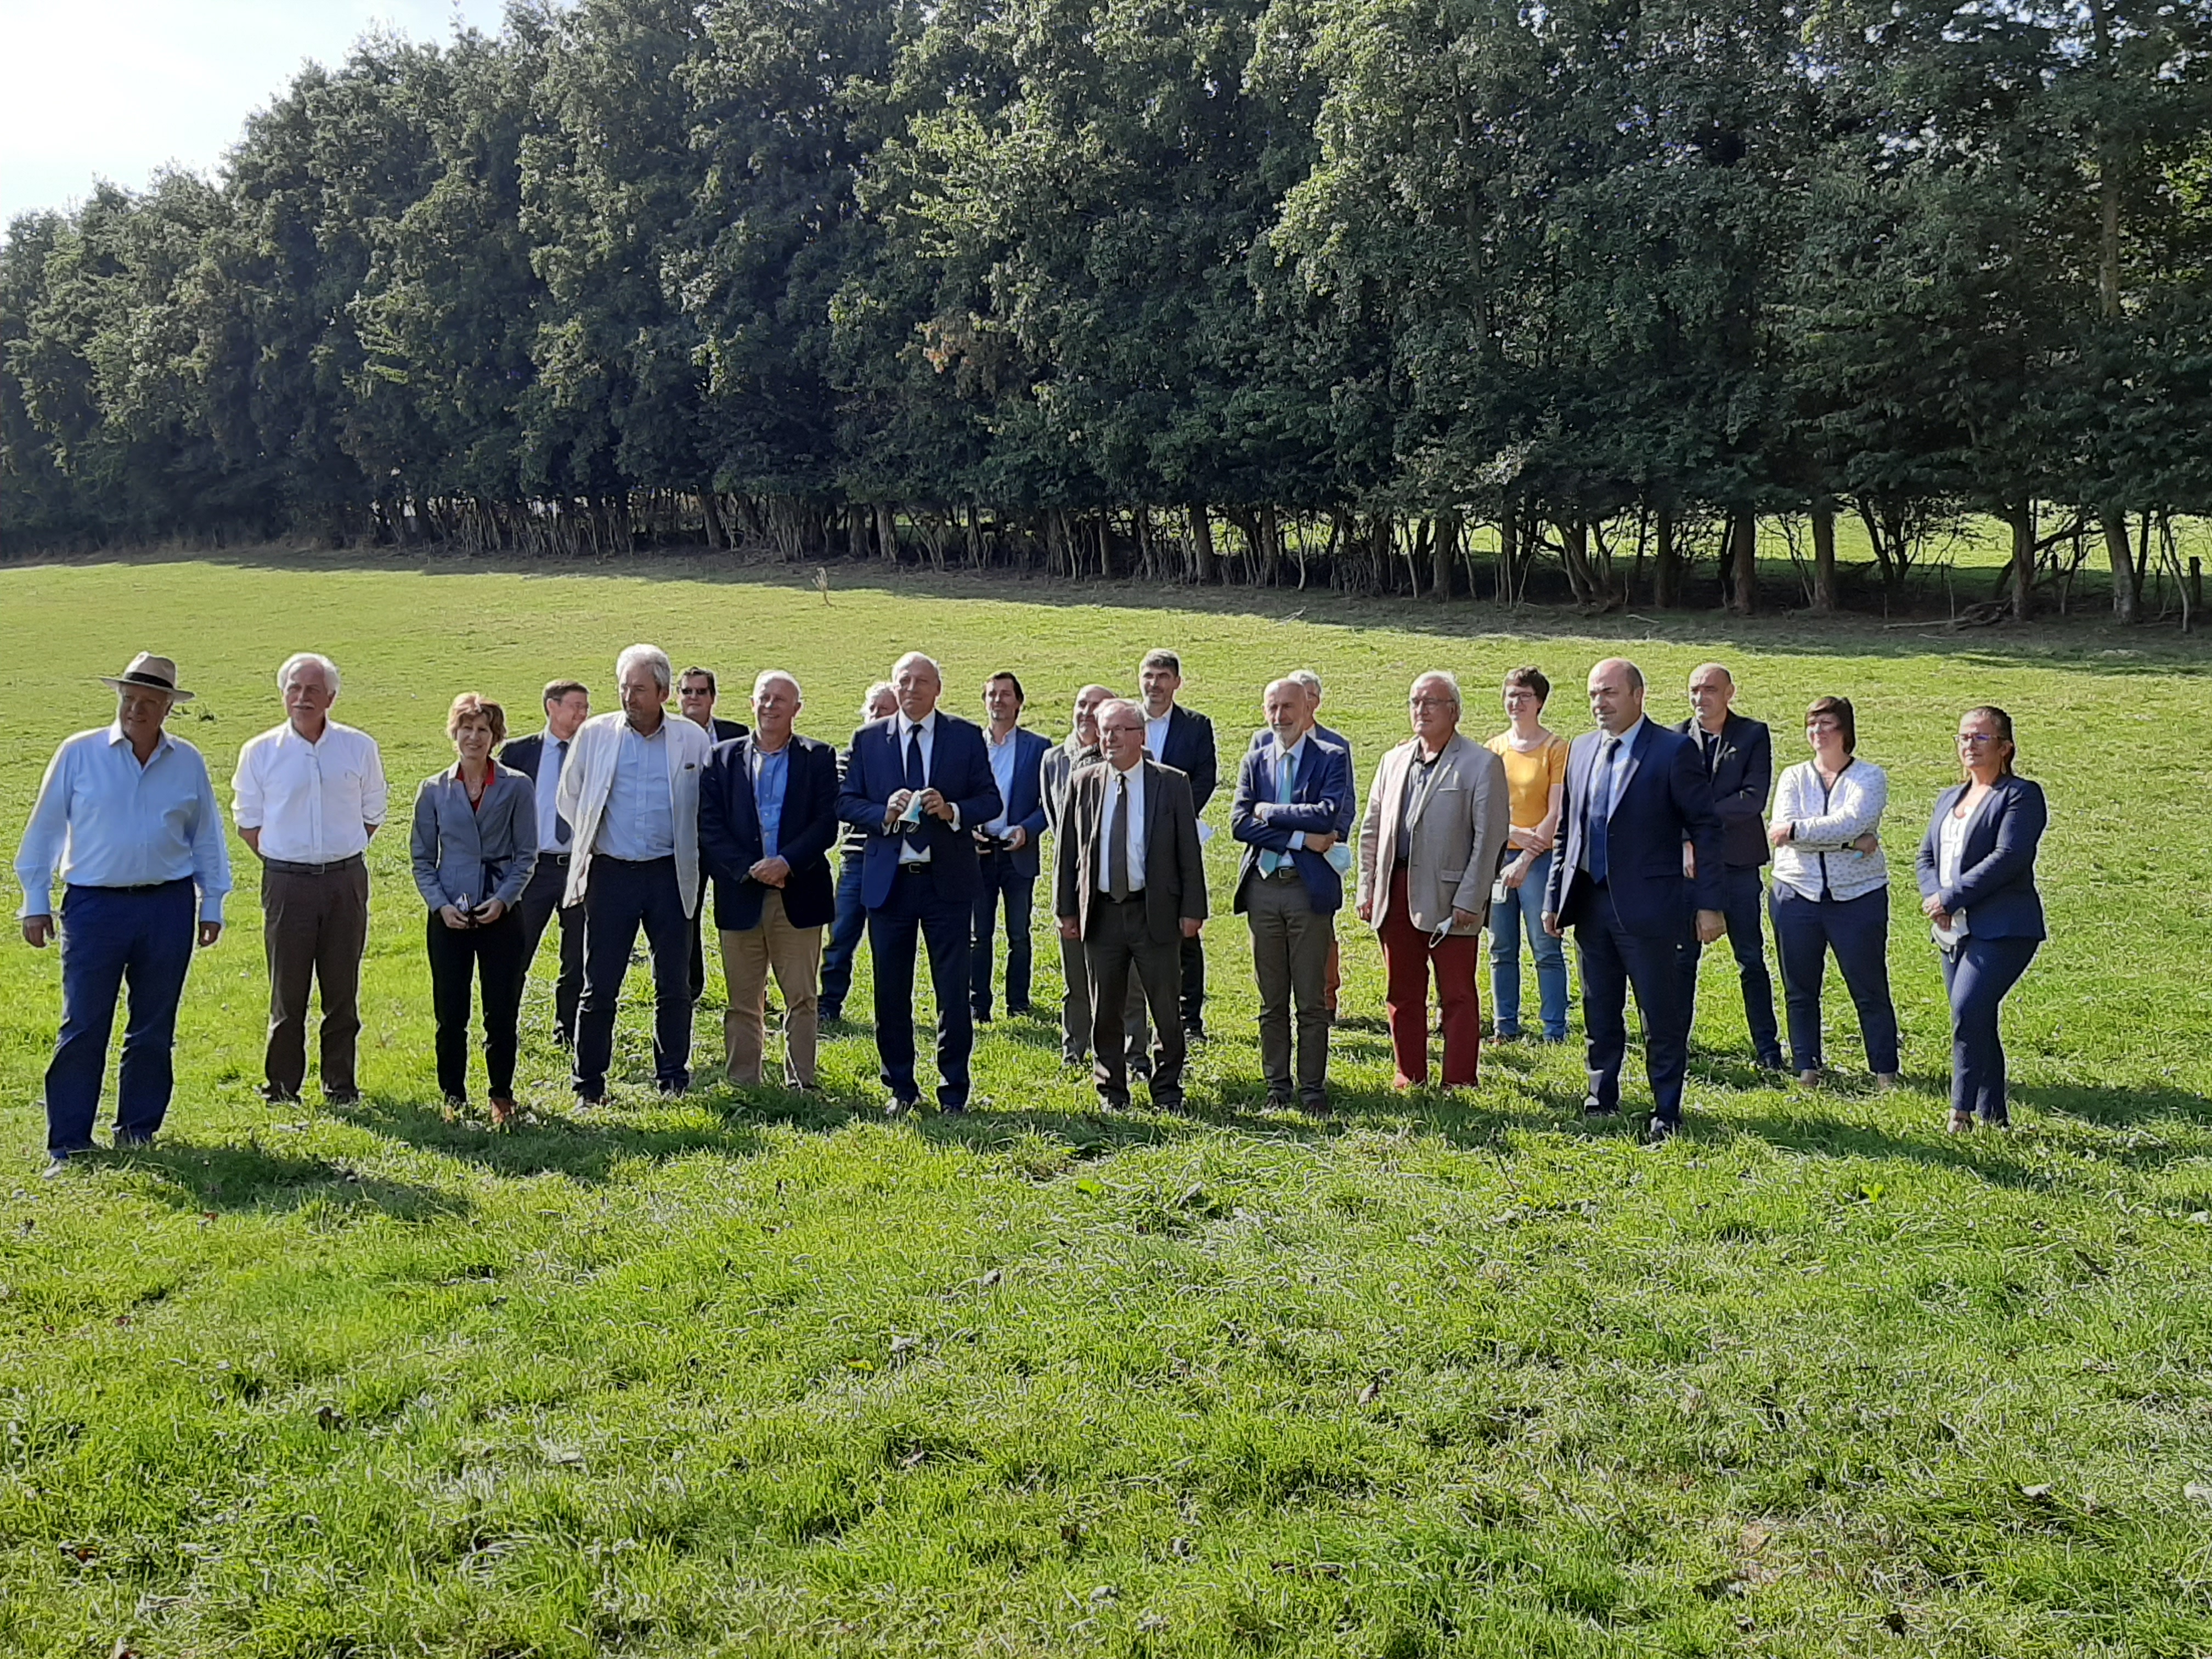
(1175, 873)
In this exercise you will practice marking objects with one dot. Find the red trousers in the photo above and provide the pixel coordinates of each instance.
(1407, 954)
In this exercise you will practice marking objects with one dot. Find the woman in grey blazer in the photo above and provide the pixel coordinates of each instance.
(474, 841)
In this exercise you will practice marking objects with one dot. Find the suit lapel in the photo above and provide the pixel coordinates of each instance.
(1152, 793)
(1636, 744)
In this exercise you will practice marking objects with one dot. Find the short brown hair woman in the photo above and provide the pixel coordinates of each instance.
(1977, 869)
(475, 843)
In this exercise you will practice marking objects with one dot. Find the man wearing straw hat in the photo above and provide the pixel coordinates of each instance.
(127, 815)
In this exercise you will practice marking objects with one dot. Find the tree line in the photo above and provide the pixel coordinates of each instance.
(1294, 292)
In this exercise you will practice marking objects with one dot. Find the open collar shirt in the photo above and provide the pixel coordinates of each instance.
(103, 820)
(314, 803)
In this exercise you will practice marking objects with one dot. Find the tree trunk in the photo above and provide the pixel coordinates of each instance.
(886, 532)
(1443, 554)
(1824, 559)
(1743, 538)
(1574, 554)
(2020, 515)
(1201, 543)
(1666, 560)
(1508, 553)
(2125, 582)
(718, 537)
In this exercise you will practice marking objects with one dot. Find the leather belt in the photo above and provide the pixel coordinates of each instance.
(286, 867)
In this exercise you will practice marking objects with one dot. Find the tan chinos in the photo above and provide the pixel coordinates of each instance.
(749, 956)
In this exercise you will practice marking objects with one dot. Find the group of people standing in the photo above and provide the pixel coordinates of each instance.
(1647, 842)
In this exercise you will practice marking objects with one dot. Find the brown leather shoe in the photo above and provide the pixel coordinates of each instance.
(503, 1112)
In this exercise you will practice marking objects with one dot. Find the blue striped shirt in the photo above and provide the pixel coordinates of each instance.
(102, 820)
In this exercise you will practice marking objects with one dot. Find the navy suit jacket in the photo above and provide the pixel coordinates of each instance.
(959, 770)
(522, 755)
(1024, 808)
(1321, 804)
(1743, 779)
(1996, 866)
(1189, 746)
(1665, 799)
(729, 842)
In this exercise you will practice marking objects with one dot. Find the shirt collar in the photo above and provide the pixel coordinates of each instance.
(491, 772)
(1012, 732)
(927, 725)
(161, 744)
(1296, 750)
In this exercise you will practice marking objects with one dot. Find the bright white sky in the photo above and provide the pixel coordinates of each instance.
(116, 89)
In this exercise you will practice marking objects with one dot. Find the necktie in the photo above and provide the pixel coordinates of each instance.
(561, 831)
(1286, 771)
(1117, 840)
(1711, 745)
(1600, 805)
(915, 777)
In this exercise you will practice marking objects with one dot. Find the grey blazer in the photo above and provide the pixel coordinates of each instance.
(478, 853)
(1457, 834)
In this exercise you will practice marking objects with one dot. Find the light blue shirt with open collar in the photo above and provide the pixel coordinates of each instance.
(1294, 758)
(103, 820)
(639, 824)
(771, 779)
(1002, 772)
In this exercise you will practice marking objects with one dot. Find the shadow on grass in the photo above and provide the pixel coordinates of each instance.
(2087, 639)
(232, 1176)
(585, 1146)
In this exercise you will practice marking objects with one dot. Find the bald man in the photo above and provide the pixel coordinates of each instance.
(1738, 756)
(917, 784)
(1635, 794)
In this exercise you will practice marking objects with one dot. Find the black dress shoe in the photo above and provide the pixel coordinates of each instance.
(1661, 1130)
(1278, 1103)
(1593, 1107)
(958, 1110)
(897, 1106)
(1025, 1011)
(1167, 1101)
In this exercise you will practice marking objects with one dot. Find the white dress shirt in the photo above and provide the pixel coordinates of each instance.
(314, 803)
(1156, 735)
(1135, 779)
(911, 848)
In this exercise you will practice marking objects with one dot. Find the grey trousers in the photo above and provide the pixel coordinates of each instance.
(1075, 1007)
(1120, 949)
(313, 930)
(1290, 960)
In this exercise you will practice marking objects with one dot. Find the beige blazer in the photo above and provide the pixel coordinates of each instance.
(589, 778)
(1456, 838)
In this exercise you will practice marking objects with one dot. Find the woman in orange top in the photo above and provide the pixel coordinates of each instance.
(1535, 779)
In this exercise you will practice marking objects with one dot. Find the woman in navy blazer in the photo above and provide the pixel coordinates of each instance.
(1977, 868)
(474, 841)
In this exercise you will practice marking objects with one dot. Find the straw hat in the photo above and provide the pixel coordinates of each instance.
(148, 670)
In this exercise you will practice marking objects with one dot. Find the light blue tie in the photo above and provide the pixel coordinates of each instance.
(1286, 780)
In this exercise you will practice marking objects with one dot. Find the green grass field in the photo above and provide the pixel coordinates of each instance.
(752, 1375)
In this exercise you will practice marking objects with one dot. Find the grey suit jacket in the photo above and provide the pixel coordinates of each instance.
(1175, 872)
(1452, 859)
(479, 853)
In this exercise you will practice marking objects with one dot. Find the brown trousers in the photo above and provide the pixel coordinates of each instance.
(794, 954)
(313, 930)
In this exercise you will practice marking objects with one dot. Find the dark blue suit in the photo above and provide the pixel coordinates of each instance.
(729, 842)
(1009, 877)
(1189, 749)
(1995, 887)
(1321, 804)
(1740, 765)
(1619, 883)
(935, 900)
(540, 901)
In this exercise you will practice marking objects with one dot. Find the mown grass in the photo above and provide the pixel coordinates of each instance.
(747, 1374)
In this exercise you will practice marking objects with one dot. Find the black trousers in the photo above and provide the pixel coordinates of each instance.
(1117, 942)
(1191, 955)
(1613, 960)
(492, 955)
(622, 897)
(541, 903)
(947, 927)
(1741, 893)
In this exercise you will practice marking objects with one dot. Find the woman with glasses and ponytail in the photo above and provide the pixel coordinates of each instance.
(1977, 868)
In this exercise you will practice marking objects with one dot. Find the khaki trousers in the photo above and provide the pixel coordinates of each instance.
(794, 954)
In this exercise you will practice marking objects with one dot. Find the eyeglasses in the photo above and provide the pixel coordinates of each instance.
(1978, 738)
(1429, 703)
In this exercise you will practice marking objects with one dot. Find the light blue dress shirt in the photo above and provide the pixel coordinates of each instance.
(771, 775)
(1002, 770)
(638, 823)
(102, 820)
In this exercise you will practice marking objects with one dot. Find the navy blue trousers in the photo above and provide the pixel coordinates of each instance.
(1978, 975)
(619, 898)
(1003, 885)
(945, 927)
(1857, 931)
(1613, 960)
(112, 936)
(1741, 891)
(844, 942)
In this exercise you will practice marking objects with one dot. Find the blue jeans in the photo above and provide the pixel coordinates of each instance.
(111, 935)
(1857, 931)
(844, 941)
(1523, 910)
(1001, 878)
(1978, 975)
